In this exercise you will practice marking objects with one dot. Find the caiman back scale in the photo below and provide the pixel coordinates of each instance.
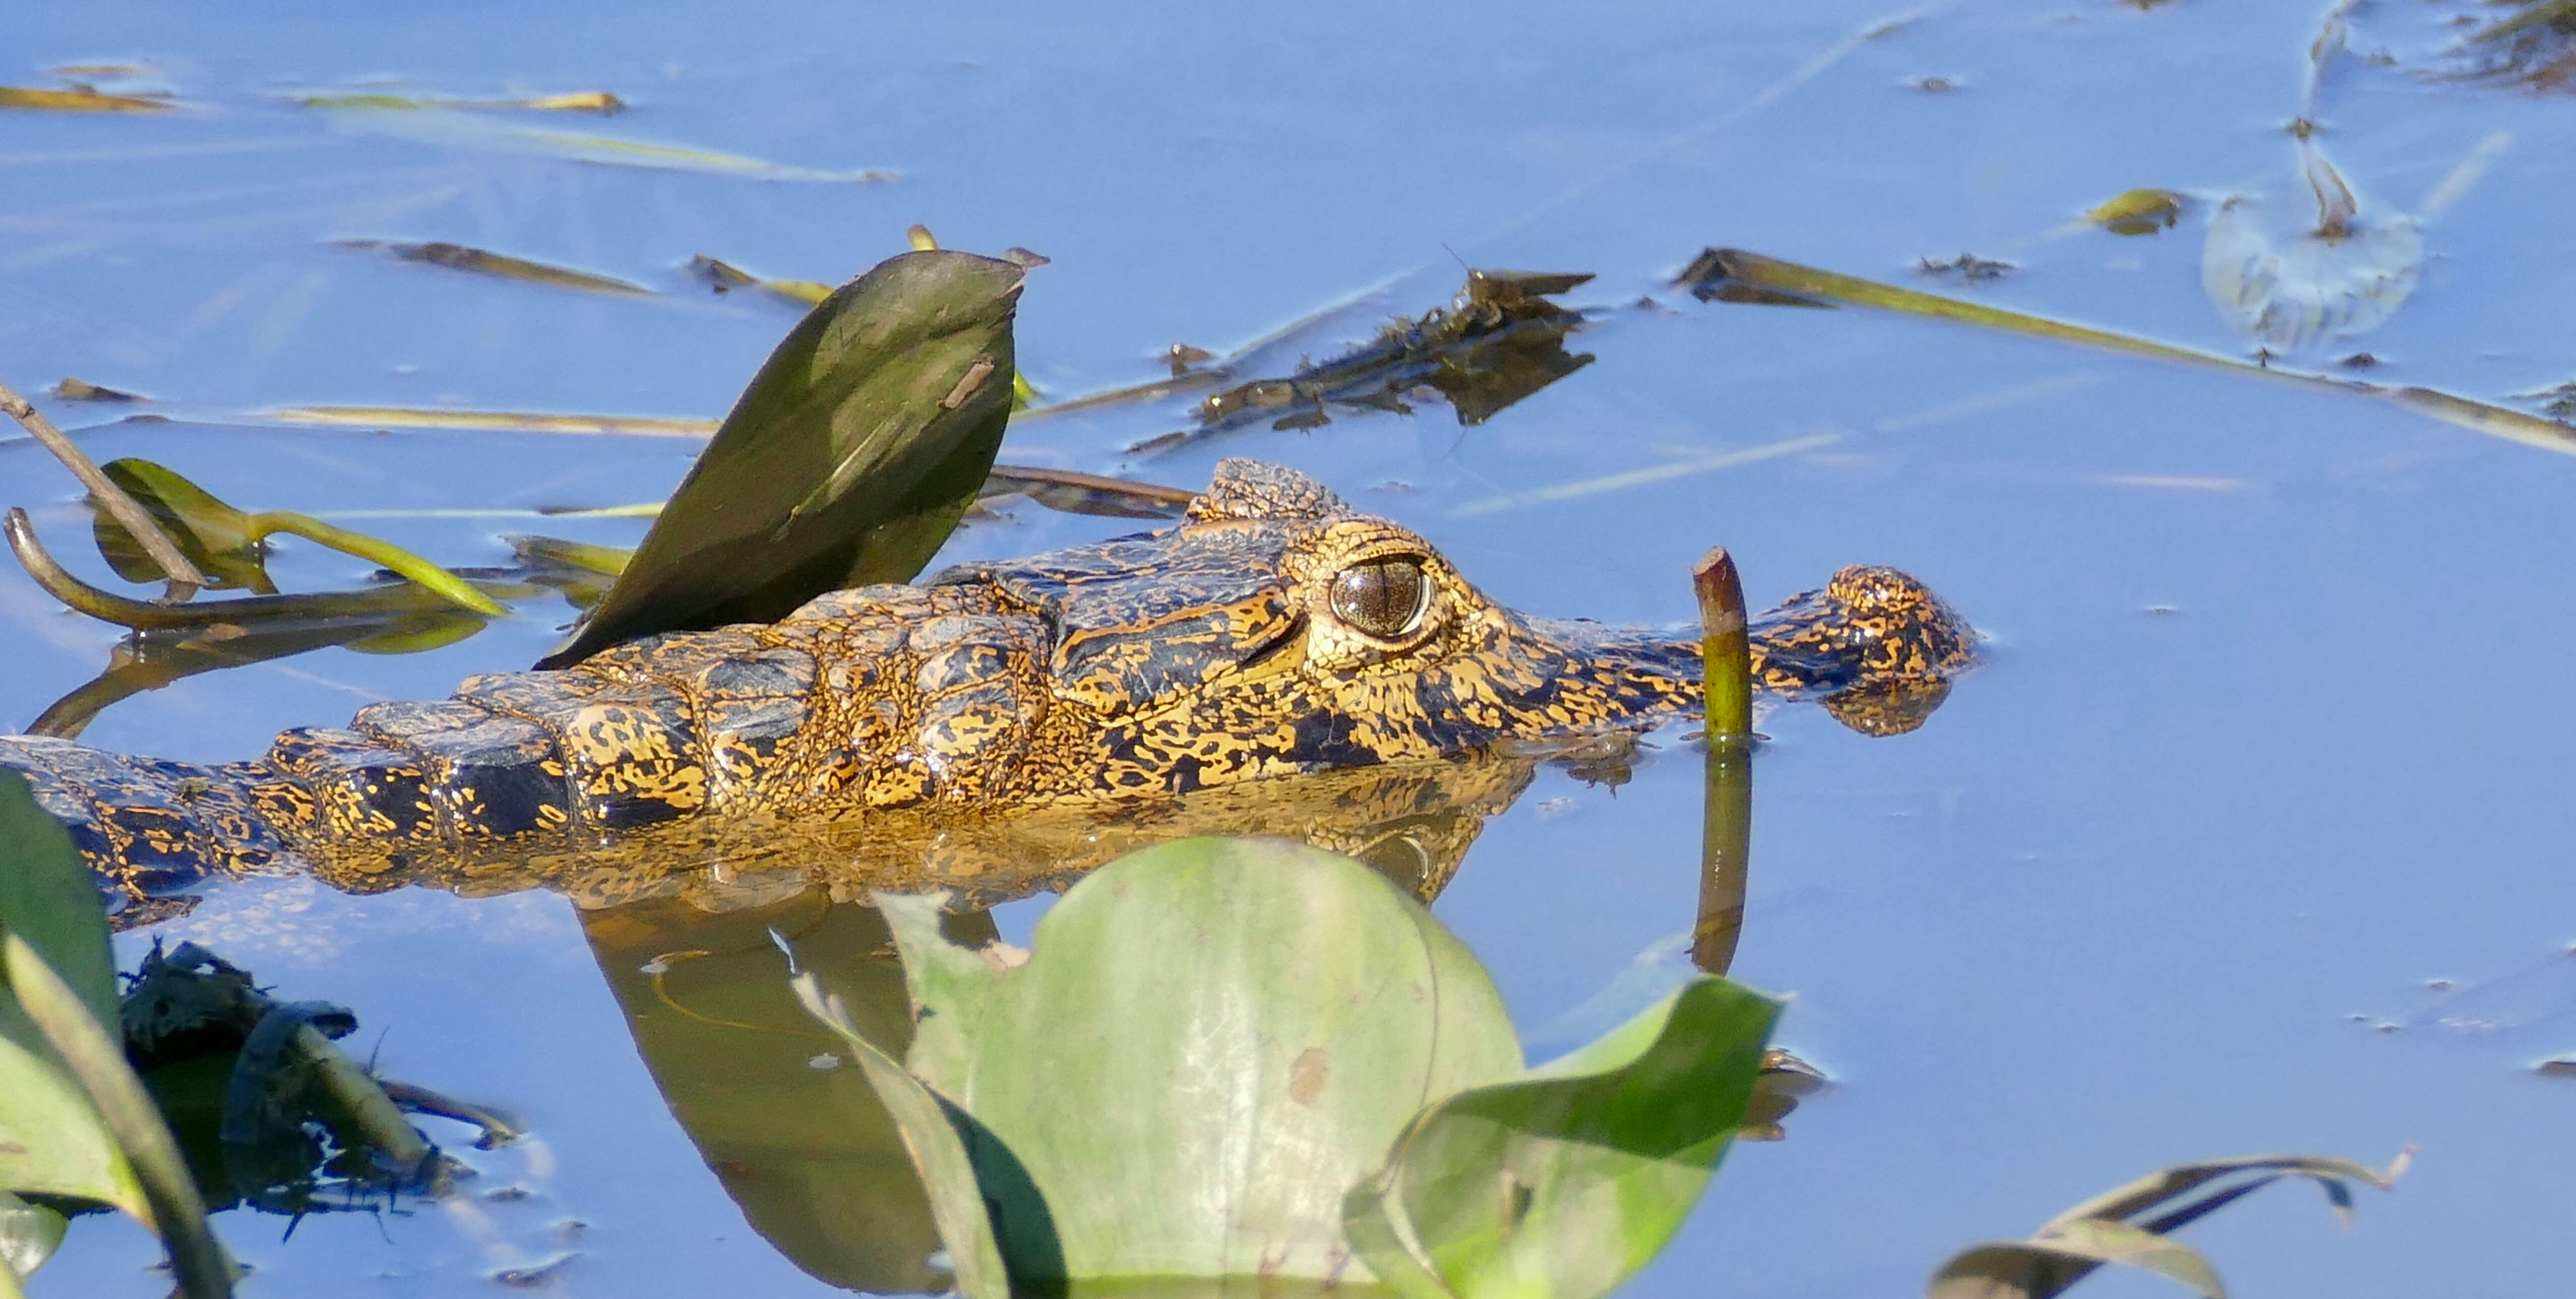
(1274, 631)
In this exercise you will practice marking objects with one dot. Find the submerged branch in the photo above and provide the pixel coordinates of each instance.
(184, 577)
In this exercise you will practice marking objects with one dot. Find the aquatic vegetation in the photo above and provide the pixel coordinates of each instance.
(1055, 1101)
(2110, 1228)
(1499, 341)
(846, 461)
(75, 1123)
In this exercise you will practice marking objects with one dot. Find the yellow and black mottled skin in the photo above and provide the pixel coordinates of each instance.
(1137, 671)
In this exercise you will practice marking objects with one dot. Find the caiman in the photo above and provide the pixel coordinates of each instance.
(1273, 631)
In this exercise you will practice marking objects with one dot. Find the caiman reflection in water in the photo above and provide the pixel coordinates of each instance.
(806, 1151)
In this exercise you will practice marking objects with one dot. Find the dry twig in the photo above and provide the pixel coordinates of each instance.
(184, 577)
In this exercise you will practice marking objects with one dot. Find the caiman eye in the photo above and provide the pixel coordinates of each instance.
(1383, 597)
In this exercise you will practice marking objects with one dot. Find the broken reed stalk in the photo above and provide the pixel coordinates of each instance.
(1767, 279)
(1726, 830)
(184, 577)
(1726, 656)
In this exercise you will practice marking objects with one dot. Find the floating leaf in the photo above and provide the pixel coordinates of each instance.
(2138, 212)
(1734, 275)
(2535, 48)
(78, 100)
(459, 257)
(1080, 493)
(2338, 279)
(82, 390)
(1499, 341)
(492, 420)
(589, 101)
(214, 536)
(847, 460)
(2101, 1230)
(462, 130)
(724, 277)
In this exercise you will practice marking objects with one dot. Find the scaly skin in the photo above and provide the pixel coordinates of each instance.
(1142, 672)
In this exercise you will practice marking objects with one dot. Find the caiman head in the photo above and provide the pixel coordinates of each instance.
(1278, 630)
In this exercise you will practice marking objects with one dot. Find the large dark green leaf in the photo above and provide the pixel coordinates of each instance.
(846, 461)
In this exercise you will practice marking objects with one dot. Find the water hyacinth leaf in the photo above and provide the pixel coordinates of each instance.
(848, 459)
(78, 100)
(216, 537)
(2138, 212)
(461, 258)
(930, 1137)
(51, 1138)
(49, 898)
(2339, 278)
(29, 1234)
(92, 1054)
(1566, 1182)
(1323, 1005)
(229, 535)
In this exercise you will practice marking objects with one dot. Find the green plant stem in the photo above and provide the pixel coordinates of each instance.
(429, 576)
(1726, 831)
(184, 579)
(98, 1062)
(1717, 267)
(1726, 655)
(142, 615)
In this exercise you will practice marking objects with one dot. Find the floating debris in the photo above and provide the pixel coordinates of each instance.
(461, 258)
(2342, 277)
(2557, 403)
(83, 390)
(2138, 212)
(467, 130)
(588, 101)
(725, 277)
(2534, 49)
(1499, 341)
(79, 99)
(1967, 267)
(500, 421)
